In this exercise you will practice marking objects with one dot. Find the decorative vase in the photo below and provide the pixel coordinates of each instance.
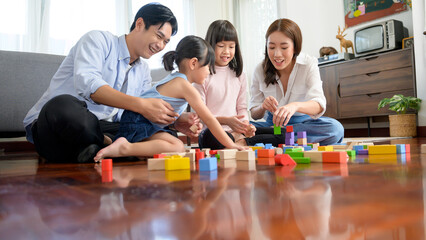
(403, 125)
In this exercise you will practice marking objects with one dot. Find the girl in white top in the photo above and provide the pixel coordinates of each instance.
(288, 87)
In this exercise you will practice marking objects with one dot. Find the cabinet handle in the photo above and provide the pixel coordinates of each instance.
(372, 94)
(338, 90)
(371, 58)
(372, 73)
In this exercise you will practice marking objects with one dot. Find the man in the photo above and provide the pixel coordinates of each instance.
(102, 75)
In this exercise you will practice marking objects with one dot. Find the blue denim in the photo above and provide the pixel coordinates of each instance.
(324, 130)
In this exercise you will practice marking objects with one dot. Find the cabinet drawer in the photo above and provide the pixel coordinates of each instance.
(376, 63)
(366, 105)
(377, 82)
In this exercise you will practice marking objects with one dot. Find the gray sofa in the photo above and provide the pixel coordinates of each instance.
(23, 79)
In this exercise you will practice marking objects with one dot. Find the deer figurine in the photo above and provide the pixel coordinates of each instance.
(343, 42)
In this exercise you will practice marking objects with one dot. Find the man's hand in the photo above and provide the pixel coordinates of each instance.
(157, 110)
(185, 121)
(270, 104)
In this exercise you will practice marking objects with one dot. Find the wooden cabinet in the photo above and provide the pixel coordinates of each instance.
(354, 88)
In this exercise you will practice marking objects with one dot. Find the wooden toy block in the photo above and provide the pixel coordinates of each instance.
(301, 134)
(213, 152)
(259, 145)
(349, 145)
(266, 161)
(302, 160)
(208, 175)
(383, 158)
(278, 151)
(191, 156)
(339, 147)
(199, 155)
(174, 163)
(400, 148)
(277, 130)
(227, 154)
(228, 163)
(208, 164)
(245, 155)
(174, 153)
(246, 165)
(107, 176)
(289, 128)
(269, 146)
(190, 150)
(423, 148)
(315, 156)
(382, 149)
(295, 154)
(325, 148)
(178, 175)
(302, 141)
(334, 157)
(284, 159)
(407, 148)
(254, 148)
(193, 128)
(351, 153)
(206, 152)
(106, 164)
(265, 153)
(156, 164)
(315, 145)
(368, 143)
(159, 155)
(307, 148)
(294, 149)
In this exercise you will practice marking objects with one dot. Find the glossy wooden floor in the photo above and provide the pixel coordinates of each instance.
(369, 198)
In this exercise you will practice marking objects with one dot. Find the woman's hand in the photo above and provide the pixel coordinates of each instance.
(283, 114)
(270, 104)
(236, 124)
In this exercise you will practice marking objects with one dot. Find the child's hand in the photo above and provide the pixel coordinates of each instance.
(189, 120)
(250, 131)
(236, 124)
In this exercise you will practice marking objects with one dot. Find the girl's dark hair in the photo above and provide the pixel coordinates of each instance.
(190, 47)
(291, 30)
(155, 13)
(223, 30)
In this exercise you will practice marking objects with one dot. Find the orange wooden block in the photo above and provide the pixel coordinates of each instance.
(284, 159)
(265, 153)
(266, 161)
(159, 155)
(334, 157)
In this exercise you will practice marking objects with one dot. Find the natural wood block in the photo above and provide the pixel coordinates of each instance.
(156, 164)
(174, 153)
(423, 148)
(248, 155)
(227, 153)
(315, 156)
(278, 150)
(227, 163)
(190, 155)
(246, 165)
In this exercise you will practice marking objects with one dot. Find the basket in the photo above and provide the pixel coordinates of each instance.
(403, 125)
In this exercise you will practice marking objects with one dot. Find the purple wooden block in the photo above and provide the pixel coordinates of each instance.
(362, 152)
(301, 134)
(289, 135)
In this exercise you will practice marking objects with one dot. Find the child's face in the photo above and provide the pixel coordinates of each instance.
(224, 52)
(280, 50)
(201, 73)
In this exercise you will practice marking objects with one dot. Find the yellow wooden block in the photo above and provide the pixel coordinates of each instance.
(325, 148)
(179, 175)
(174, 163)
(156, 164)
(383, 158)
(248, 155)
(316, 156)
(254, 148)
(381, 149)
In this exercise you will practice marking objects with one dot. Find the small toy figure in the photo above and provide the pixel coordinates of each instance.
(327, 51)
(343, 42)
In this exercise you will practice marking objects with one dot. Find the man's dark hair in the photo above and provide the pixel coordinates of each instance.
(155, 13)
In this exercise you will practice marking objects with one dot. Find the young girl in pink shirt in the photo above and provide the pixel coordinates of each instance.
(224, 91)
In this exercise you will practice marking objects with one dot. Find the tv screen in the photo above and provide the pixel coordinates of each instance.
(369, 39)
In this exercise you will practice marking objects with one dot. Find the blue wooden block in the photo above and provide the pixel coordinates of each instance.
(259, 145)
(284, 148)
(208, 175)
(400, 148)
(358, 147)
(268, 146)
(208, 164)
(307, 148)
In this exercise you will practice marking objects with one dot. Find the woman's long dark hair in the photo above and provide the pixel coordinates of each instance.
(190, 47)
(223, 30)
(291, 30)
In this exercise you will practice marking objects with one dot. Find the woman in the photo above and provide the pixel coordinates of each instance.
(288, 87)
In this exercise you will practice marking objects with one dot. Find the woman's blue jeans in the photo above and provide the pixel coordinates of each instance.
(324, 130)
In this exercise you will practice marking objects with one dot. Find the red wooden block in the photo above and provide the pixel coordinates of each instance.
(284, 159)
(407, 148)
(334, 157)
(280, 145)
(289, 128)
(265, 153)
(199, 155)
(106, 176)
(266, 161)
(285, 171)
(106, 164)
(197, 150)
(213, 152)
(159, 155)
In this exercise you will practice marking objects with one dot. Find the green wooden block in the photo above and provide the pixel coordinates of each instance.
(302, 160)
(289, 150)
(295, 154)
(351, 153)
(365, 146)
(312, 145)
(277, 130)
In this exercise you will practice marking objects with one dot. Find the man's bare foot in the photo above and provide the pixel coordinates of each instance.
(113, 150)
(107, 140)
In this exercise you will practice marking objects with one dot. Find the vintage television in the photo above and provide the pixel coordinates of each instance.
(379, 37)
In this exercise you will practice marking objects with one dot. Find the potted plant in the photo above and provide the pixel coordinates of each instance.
(402, 124)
